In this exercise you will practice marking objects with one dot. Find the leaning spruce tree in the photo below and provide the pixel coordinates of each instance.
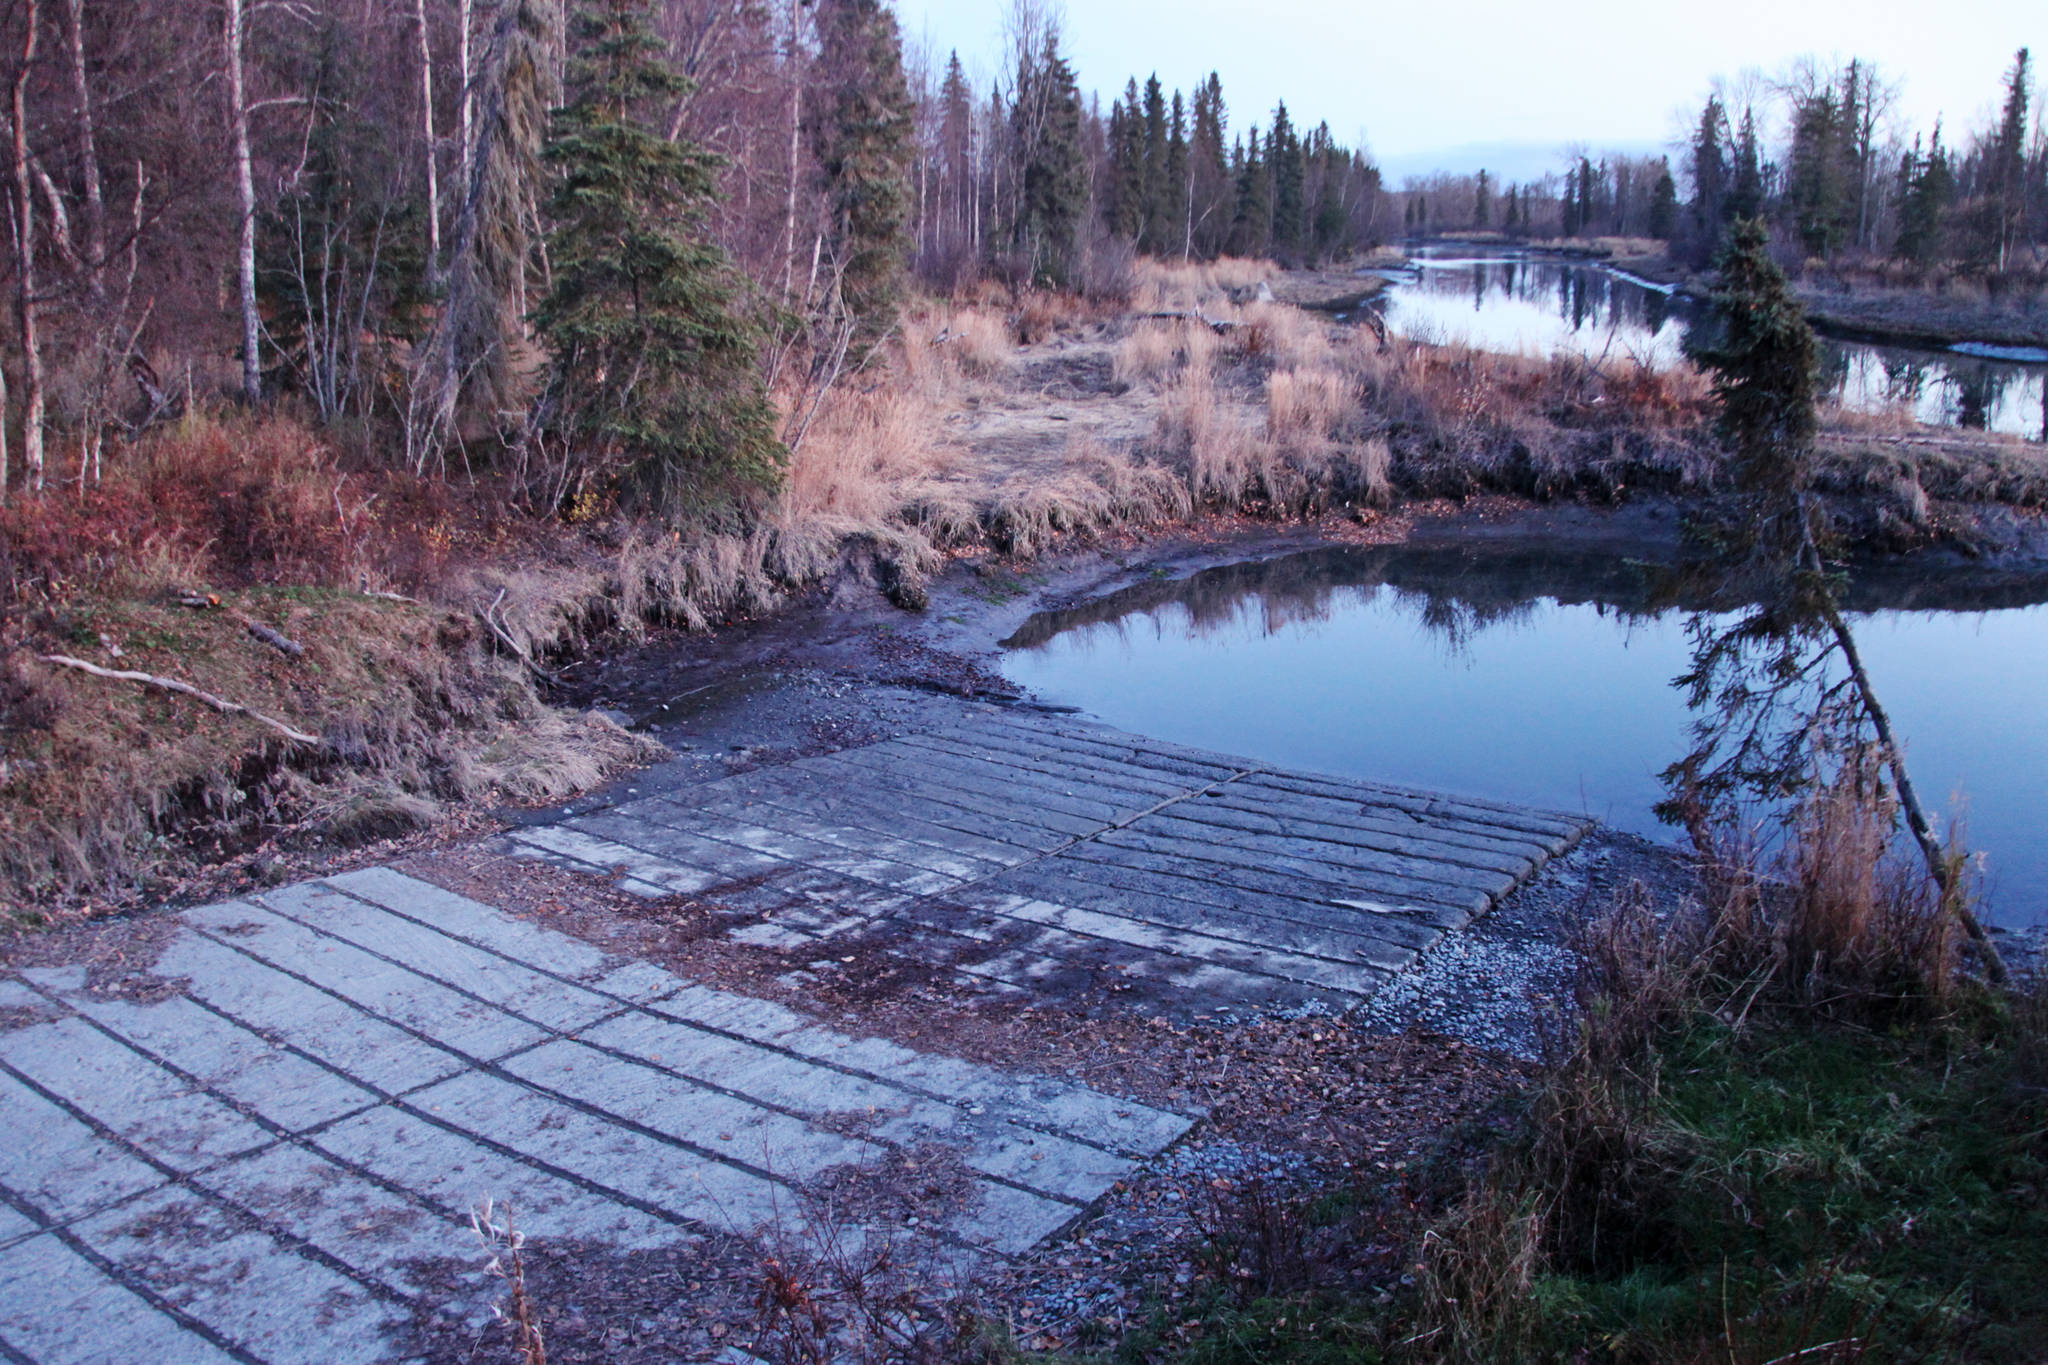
(1765, 362)
(654, 387)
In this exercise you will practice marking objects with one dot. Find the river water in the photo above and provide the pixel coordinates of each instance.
(1537, 305)
(1540, 678)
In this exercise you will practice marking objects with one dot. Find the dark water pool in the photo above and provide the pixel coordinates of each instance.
(1528, 678)
(1512, 302)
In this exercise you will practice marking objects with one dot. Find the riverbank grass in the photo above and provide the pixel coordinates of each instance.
(1806, 1191)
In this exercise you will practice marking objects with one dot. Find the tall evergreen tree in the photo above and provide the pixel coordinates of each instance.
(1816, 191)
(1158, 222)
(1123, 196)
(1283, 152)
(1664, 205)
(1331, 220)
(1746, 190)
(864, 139)
(654, 381)
(1251, 221)
(1709, 176)
(956, 146)
(1052, 194)
(1929, 189)
(482, 322)
(1179, 237)
(1209, 169)
(2005, 172)
(1765, 363)
(1482, 201)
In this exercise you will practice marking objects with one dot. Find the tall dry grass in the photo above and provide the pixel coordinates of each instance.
(1291, 338)
(1308, 405)
(1196, 286)
(1155, 351)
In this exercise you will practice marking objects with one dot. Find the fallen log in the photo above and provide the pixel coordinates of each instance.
(277, 640)
(1220, 326)
(184, 689)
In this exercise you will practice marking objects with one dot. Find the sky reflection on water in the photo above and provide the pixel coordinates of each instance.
(1555, 703)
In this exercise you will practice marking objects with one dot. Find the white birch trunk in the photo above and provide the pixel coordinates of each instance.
(88, 154)
(466, 109)
(427, 128)
(25, 262)
(232, 41)
(796, 120)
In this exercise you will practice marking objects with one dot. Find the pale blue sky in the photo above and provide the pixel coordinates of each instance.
(1417, 79)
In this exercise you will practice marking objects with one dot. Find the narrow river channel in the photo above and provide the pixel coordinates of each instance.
(1514, 302)
(1538, 679)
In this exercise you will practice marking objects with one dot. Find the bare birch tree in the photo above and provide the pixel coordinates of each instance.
(26, 303)
(432, 148)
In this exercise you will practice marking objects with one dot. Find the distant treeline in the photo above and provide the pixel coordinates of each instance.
(1819, 152)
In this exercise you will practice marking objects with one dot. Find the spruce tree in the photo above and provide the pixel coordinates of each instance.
(1332, 211)
(482, 322)
(1765, 364)
(1283, 153)
(1709, 176)
(1929, 190)
(1664, 205)
(1052, 198)
(1158, 220)
(1179, 226)
(956, 144)
(1126, 200)
(654, 383)
(1816, 193)
(864, 140)
(1212, 174)
(1746, 192)
(1251, 225)
(2005, 171)
(1482, 202)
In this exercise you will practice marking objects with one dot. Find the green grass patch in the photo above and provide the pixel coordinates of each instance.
(1823, 1184)
(1802, 1192)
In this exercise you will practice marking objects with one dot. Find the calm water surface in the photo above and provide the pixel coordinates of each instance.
(1472, 674)
(1543, 306)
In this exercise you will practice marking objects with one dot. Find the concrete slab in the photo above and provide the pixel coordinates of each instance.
(1044, 854)
(253, 1167)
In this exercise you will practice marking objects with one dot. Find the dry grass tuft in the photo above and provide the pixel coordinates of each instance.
(1307, 405)
(1292, 338)
(1197, 286)
(1158, 350)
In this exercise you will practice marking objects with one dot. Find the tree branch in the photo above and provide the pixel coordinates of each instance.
(184, 689)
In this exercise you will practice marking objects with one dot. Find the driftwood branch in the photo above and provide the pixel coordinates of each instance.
(504, 637)
(184, 689)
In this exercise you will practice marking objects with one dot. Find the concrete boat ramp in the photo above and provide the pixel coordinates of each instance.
(253, 1153)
